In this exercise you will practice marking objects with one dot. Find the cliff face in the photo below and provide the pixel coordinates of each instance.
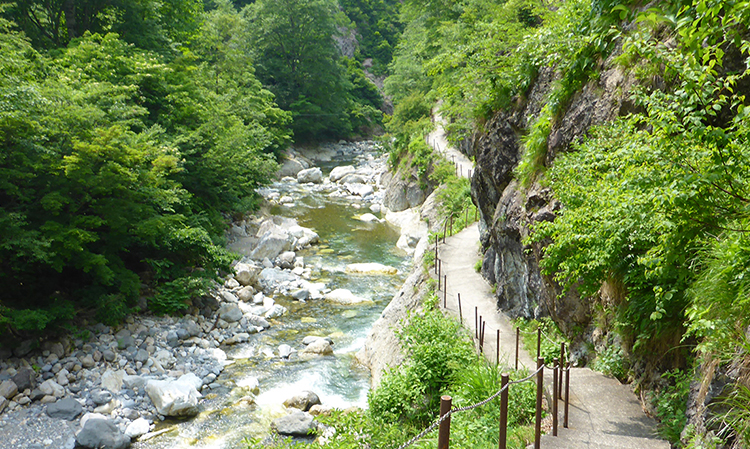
(509, 210)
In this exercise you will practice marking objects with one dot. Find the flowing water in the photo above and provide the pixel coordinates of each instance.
(338, 380)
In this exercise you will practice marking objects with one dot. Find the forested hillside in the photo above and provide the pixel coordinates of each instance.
(611, 139)
(132, 132)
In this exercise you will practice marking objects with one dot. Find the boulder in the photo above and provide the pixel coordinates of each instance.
(286, 260)
(51, 388)
(353, 178)
(290, 167)
(99, 432)
(313, 175)
(275, 311)
(230, 312)
(175, 397)
(251, 383)
(25, 379)
(258, 321)
(67, 409)
(368, 218)
(303, 401)
(297, 424)
(270, 278)
(285, 351)
(137, 428)
(339, 172)
(246, 274)
(312, 339)
(344, 296)
(359, 189)
(8, 389)
(101, 396)
(271, 244)
(318, 347)
(370, 268)
(246, 293)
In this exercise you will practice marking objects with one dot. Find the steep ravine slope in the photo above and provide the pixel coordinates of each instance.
(509, 210)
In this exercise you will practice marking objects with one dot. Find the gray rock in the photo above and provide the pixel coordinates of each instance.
(51, 388)
(8, 389)
(341, 171)
(124, 339)
(109, 355)
(285, 351)
(275, 311)
(313, 175)
(141, 356)
(192, 328)
(312, 339)
(286, 260)
(259, 321)
(271, 244)
(101, 396)
(24, 348)
(301, 294)
(99, 432)
(246, 274)
(353, 178)
(246, 293)
(318, 347)
(230, 312)
(290, 167)
(172, 339)
(25, 379)
(137, 428)
(298, 424)
(270, 278)
(303, 401)
(67, 409)
(176, 397)
(88, 361)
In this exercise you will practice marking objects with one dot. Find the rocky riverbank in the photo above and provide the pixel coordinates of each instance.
(109, 386)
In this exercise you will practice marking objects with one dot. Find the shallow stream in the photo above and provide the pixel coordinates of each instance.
(338, 380)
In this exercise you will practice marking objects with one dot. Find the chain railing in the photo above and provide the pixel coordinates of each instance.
(560, 373)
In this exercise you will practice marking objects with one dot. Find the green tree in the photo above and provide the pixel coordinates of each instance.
(297, 58)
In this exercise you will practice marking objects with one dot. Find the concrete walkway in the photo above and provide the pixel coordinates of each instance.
(604, 414)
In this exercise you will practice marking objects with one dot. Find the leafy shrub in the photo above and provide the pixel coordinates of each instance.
(671, 403)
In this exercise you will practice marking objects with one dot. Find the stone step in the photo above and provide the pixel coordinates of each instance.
(568, 439)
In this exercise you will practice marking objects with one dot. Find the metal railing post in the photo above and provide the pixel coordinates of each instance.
(539, 392)
(555, 396)
(439, 272)
(460, 313)
(518, 339)
(444, 433)
(562, 363)
(476, 322)
(497, 353)
(538, 342)
(504, 411)
(567, 395)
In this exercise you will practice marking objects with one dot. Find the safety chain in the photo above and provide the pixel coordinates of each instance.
(468, 407)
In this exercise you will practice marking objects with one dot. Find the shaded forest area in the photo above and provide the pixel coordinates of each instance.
(133, 131)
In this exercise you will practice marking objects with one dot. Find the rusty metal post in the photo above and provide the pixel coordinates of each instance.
(555, 369)
(562, 363)
(497, 353)
(476, 322)
(444, 432)
(445, 229)
(460, 313)
(504, 411)
(539, 392)
(567, 395)
(481, 335)
(538, 342)
(436, 253)
(518, 341)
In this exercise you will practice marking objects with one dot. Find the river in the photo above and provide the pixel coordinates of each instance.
(338, 380)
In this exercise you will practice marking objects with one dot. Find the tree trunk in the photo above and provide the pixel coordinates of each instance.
(70, 18)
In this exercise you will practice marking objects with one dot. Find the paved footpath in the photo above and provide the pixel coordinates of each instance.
(603, 413)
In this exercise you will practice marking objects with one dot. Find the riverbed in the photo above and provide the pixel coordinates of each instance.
(338, 380)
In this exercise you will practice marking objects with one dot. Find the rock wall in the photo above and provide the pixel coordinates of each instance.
(508, 210)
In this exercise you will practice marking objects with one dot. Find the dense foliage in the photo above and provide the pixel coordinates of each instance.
(117, 166)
